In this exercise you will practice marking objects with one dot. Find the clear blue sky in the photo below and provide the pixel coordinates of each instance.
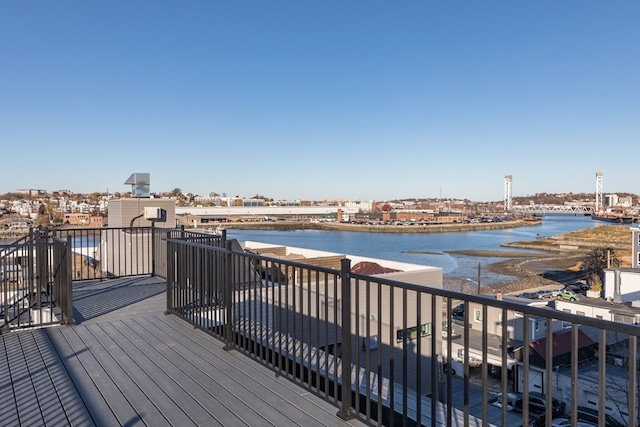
(318, 100)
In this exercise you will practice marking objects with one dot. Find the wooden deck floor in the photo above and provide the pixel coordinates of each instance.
(125, 363)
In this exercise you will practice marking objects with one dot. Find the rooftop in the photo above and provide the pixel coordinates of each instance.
(125, 362)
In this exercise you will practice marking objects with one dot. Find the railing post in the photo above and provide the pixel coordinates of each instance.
(227, 297)
(170, 273)
(39, 284)
(68, 282)
(153, 248)
(346, 407)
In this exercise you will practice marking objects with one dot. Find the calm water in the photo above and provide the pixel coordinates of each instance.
(392, 246)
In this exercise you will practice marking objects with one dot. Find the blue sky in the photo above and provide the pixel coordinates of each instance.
(314, 100)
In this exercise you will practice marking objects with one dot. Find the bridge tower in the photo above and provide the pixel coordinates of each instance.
(507, 193)
(599, 200)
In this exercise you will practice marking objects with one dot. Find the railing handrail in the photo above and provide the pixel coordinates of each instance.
(39, 292)
(278, 295)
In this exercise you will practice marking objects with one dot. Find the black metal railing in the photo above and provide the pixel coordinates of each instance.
(37, 270)
(100, 253)
(375, 347)
(35, 280)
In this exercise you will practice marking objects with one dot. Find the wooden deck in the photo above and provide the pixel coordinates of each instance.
(126, 363)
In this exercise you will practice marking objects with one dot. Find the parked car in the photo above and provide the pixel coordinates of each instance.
(568, 295)
(566, 422)
(530, 295)
(591, 415)
(546, 293)
(538, 402)
(514, 404)
(458, 310)
(512, 399)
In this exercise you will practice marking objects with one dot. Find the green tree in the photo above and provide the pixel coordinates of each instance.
(43, 215)
(599, 259)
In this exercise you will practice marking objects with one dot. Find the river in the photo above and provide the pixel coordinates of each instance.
(424, 249)
(429, 249)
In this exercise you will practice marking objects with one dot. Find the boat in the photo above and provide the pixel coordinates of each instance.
(618, 219)
(536, 217)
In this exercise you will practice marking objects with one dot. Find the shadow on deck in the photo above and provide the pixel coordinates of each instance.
(126, 363)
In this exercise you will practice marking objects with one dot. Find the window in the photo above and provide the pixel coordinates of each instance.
(412, 333)
(477, 315)
(580, 313)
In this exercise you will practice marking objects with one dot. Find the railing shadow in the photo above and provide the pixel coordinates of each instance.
(95, 298)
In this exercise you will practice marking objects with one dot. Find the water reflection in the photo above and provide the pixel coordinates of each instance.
(424, 249)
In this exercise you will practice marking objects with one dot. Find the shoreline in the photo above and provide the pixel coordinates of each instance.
(334, 226)
(370, 228)
(549, 262)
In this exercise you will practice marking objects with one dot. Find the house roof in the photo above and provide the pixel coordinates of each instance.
(371, 268)
(561, 343)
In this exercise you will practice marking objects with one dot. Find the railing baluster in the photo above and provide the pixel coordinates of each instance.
(219, 289)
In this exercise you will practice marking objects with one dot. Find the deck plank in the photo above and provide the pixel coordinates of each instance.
(30, 371)
(167, 386)
(228, 383)
(197, 384)
(102, 396)
(65, 406)
(122, 372)
(11, 375)
(273, 396)
(127, 363)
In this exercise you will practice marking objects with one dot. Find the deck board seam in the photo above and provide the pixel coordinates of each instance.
(229, 382)
(157, 373)
(247, 364)
(126, 363)
(79, 356)
(204, 366)
(126, 386)
(24, 346)
(10, 388)
(49, 366)
(156, 344)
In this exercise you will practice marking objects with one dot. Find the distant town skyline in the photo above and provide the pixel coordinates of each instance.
(577, 196)
(321, 99)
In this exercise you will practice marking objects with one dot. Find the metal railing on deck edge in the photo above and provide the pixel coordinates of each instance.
(37, 270)
(35, 280)
(374, 347)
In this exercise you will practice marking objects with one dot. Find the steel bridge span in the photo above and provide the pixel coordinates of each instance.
(587, 210)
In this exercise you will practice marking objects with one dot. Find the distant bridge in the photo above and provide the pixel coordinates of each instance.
(587, 210)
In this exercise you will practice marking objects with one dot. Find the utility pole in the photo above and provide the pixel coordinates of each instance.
(479, 285)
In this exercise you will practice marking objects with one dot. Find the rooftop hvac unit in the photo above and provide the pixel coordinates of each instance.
(140, 184)
(155, 214)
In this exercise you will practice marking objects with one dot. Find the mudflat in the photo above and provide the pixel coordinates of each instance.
(555, 261)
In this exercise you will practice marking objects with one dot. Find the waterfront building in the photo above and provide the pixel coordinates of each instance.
(244, 213)
(288, 311)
